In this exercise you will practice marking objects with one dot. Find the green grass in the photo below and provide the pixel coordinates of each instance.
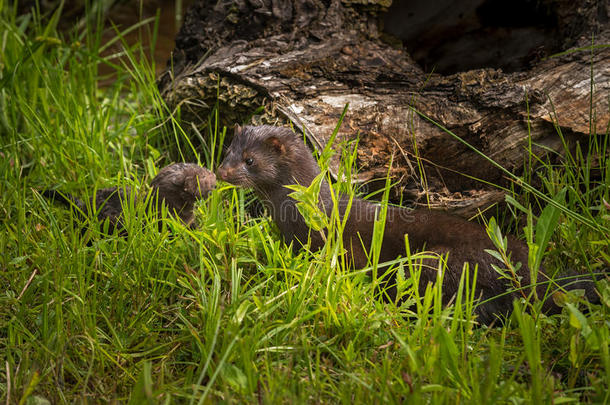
(227, 312)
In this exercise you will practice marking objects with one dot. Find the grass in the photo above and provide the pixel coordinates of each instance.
(227, 312)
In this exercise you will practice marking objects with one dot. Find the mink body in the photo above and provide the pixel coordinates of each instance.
(177, 186)
(267, 158)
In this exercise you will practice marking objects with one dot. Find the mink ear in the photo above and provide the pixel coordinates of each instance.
(276, 144)
(238, 129)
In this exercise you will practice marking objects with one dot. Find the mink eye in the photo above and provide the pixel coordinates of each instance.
(249, 161)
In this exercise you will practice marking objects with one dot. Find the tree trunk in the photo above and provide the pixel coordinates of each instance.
(499, 84)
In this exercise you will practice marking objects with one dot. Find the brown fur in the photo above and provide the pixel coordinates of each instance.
(177, 186)
(279, 158)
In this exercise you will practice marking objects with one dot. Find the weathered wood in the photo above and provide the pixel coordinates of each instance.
(303, 61)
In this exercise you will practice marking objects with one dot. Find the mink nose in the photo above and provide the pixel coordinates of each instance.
(224, 173)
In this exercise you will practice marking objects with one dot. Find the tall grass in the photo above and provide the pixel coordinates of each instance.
(227, 312)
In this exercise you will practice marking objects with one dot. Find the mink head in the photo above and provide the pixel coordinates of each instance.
(182, 184)
(265, 157)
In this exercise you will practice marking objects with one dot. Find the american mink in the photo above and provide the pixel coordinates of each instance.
(177, 186)
(267, 158)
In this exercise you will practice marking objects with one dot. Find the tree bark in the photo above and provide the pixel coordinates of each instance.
(303, 61)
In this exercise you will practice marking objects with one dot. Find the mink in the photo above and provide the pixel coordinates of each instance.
(177, 187)
(267, 158)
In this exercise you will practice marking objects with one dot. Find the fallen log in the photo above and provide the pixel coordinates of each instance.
(301, 62)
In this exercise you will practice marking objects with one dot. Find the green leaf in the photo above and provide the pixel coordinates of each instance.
(37, 400)
(604, 290)
(509, 199)
(495, 254)
(154, 152)
(235, 377)
(241, 312)
(143, 392)
(578, 320)
(564, 400)
(546, 225)
(495, 234)
(308, 202)
(18, 260)
(573, 351)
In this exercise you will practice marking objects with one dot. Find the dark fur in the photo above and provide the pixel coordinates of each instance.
(279, 157)
(180, 185)
(177, 186)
